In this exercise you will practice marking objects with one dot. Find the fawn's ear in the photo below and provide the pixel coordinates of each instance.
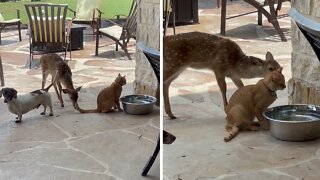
(78, 89)
(269, 56)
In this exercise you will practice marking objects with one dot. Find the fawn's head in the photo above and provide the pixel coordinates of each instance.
(73, 95)
(260, 68)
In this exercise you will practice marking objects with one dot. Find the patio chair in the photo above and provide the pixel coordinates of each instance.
(120, 34)
(47, 29)
(153, 57)
(168, 8)
(87, 13)
(12, 22)
(272, 15)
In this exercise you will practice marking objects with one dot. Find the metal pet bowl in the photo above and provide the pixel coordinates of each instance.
(138, 104)
(299, 122)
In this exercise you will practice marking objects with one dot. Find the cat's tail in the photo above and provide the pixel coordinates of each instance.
(86, 111)
(232, 131)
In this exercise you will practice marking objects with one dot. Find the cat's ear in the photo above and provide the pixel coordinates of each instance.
(119, 74)
(269, 56)
(280, 69)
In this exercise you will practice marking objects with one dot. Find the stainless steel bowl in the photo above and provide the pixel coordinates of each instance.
(299, 122)
(138, 104)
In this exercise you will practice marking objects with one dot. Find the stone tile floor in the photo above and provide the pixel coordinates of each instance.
(71, 145)
(199, 151)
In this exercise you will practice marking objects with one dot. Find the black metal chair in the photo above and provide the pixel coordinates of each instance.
(153, 57)
(309, 28)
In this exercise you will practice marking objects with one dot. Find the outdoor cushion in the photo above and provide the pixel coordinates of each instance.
(9, 21)
(114, 31)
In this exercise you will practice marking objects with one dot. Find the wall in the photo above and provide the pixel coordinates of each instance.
(304, 86)
(148, 32)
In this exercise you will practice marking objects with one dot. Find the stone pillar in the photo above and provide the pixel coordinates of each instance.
(148, 32)
(304, 86)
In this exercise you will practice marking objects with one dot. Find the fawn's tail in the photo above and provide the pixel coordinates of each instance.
(232, 132)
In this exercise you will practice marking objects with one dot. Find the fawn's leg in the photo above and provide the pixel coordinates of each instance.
(237, 81)
(223, 87)
(168, 77)
(60, 92)
(44, 78)
(57, 92)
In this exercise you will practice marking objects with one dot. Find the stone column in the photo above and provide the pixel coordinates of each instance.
(148, 32)
(304, 86)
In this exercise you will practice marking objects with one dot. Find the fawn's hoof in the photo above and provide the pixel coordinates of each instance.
(17, 121)
(43, 113)
(51, 114)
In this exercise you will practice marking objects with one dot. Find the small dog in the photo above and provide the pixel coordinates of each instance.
(21, 104)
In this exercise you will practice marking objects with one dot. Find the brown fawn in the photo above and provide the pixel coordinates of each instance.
(205, 51)
(61, 74)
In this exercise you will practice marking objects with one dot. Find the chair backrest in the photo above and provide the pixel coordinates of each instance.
(85, 9)
(47, 22)
(130, 27)
(167, 6)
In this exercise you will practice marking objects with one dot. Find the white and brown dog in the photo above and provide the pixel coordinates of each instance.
(21, 104)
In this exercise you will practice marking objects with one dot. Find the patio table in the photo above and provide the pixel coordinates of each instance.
(271, 16)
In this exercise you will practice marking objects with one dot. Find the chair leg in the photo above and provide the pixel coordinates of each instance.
(174, 18)
(259, 18)
(223, 17)
(97, 42)
(1, 73)
(151, 159)
(0, 37)
(117, 47)
(125, 49)
(31, 57)
(19, 29)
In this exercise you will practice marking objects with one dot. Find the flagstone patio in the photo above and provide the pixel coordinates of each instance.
(199, 151)
(71, 145)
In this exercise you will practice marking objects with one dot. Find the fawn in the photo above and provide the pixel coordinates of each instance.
(205, 51)
(61, 74)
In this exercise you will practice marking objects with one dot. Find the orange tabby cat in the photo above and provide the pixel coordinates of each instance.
(250, 101)
(108, 97)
